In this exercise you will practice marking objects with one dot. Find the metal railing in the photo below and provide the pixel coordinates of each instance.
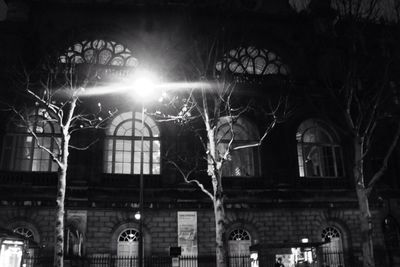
(327, 260)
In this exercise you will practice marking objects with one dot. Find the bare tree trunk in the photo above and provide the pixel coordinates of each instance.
(59, 229)
(61, 189)
(365, 214)
(219, 213)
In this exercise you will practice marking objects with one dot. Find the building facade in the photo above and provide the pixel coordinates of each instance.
(297, 185)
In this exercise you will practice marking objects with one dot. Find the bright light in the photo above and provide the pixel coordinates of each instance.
(144, 86)
(304, 240)
(137, 216)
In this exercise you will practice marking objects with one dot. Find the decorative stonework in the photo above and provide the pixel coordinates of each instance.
(100, 52)
(252, 61)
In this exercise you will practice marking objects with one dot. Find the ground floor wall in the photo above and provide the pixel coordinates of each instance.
(99, 231)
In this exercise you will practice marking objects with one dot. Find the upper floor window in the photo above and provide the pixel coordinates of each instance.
(244, 161)
(122, 152)
(318, 150)
(252, 61)
(101, 52)
(21, 151)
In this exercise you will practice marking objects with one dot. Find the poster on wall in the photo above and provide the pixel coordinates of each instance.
(187, 232)
(76, 230)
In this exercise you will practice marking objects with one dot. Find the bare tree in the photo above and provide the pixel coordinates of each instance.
(212, 99)
(362, 86)
(56, 92)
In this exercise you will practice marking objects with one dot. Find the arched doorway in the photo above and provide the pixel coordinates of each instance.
(239, 242)
(30, 252)
(128, 248)
(332, 251)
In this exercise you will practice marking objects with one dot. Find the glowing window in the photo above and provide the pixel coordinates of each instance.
(318, 150)
(122, 151)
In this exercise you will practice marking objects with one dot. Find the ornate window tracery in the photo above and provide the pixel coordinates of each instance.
(252, 61)
(239, 234)
(122, 152)
(99, 51)
(129, 235)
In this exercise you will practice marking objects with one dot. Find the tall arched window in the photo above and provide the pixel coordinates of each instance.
(21, 151)
(244, 161)
(332, 251)
(122, 153)
(318, 150)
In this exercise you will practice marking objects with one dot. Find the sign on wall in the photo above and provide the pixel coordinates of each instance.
(187, 232)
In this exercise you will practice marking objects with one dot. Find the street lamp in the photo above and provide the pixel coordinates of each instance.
(144, 87)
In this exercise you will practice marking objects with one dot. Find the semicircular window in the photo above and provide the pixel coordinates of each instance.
(252, 61)
(99, 51)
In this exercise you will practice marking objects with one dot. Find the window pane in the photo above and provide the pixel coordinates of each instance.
(118, 167)
(127, 168)
(156, 168)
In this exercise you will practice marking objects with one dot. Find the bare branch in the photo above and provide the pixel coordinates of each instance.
(194, 181)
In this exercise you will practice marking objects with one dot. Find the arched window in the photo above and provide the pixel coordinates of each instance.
(30, 251)
(21, 151)
(128, 243)
(318, 150)
(98, 51)
(252, 61)
(332, 251)
(242, 162)
(28, 233)
(239, 247)
(122, 152)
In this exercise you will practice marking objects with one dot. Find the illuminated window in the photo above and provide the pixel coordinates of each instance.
(21, 151)
(318, 150)
(122, 152)
(100, 52)
(252, 61)
(242, 162)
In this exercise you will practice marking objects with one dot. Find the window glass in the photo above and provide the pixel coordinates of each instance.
(22, 152)
(318, 150)
(123, 145)
(243, 162)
